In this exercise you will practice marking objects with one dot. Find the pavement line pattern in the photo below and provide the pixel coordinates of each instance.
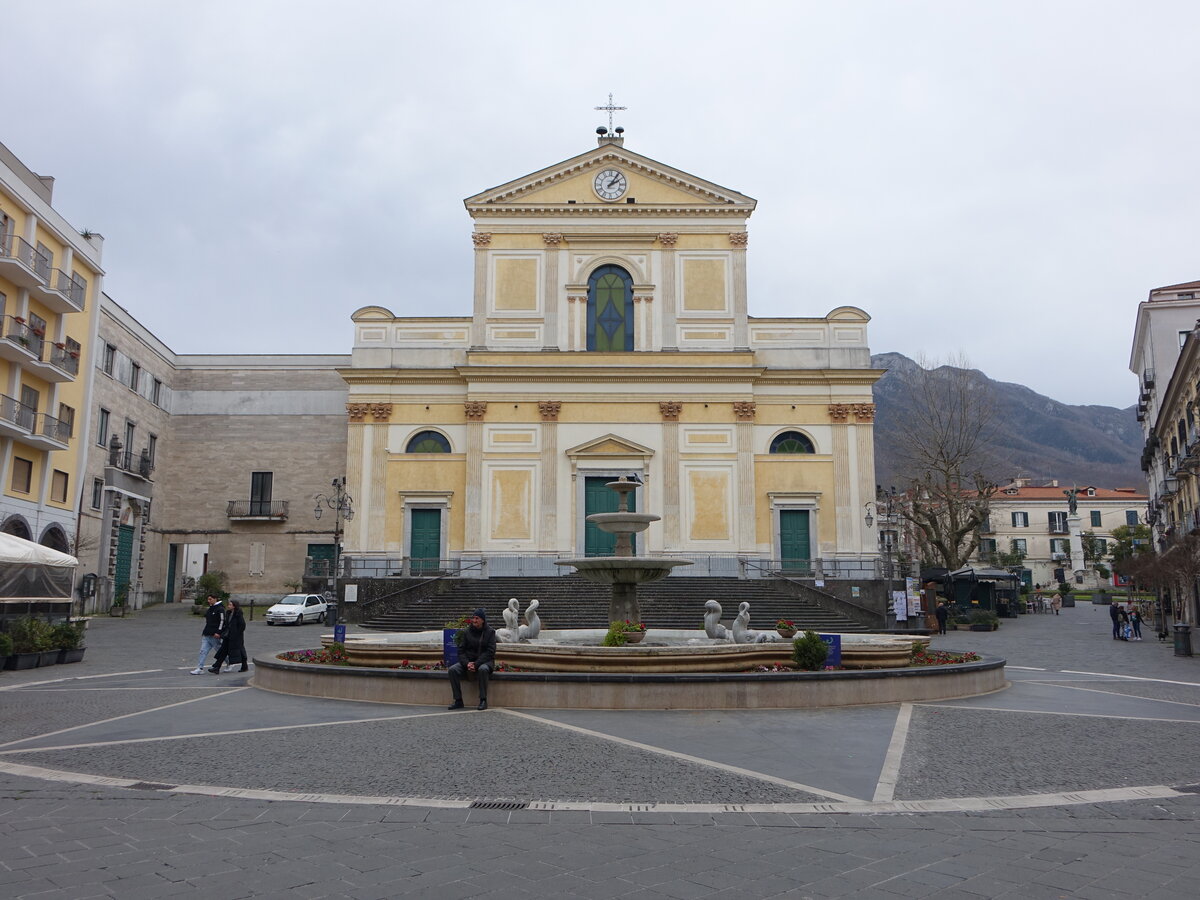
(119, 718)
(850, 805)
(1072, 687)
(198, 734)
(885, 788)
(1056, 712)
(1026, 668)
(29, 684)
(1131, 677)
(673, 754)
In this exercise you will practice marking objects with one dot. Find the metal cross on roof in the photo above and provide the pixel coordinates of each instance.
(610, 109)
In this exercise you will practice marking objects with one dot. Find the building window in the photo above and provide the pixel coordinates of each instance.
(610, 310)
(1020, 520)
(260, 493)
(129, 428)
(1058, 545)
(1100, 546)
(102, 428)
(22, 475)
(1095, 518)
(792, 442)
(110, 358)
(1058, 523)
(156, 393)
(1019, 546)
(428, 442)
(97, 493)
(135, 375)
(152, 446)
(58, 486)
(1131, 517)
(987, 546)
(66, 415)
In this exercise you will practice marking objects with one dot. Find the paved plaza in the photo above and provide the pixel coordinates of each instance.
(125, 776)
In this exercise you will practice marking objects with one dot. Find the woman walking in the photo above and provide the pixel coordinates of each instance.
(233, 647)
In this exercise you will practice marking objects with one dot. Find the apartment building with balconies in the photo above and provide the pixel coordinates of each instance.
(1036, 521)
(50, 280)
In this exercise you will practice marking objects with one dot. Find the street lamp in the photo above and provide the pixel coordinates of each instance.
(342, 505)
(884, 507)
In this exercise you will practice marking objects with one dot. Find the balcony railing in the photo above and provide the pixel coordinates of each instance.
(138, 464)
(71, 286)
(257, 509)
(17, 413)
(18, 248)
(18, 331)
(52, 428)
(67, 360)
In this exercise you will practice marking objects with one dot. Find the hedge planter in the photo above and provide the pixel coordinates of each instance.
(22, 661)
(71, 656)
(48, 658)
(981, 627)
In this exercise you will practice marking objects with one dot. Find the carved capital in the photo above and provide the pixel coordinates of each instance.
(864, 412)
(356, 411)
(643, 298)
(548, 409)
(670, 410)
(381, 412)
(475, 409)
(744, 410)
(668, 238)
(481, 238)
(576, 299)
(839, 412)
(552, 239)
(739, 238)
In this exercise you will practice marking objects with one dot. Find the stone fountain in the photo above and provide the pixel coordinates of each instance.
(623, 571)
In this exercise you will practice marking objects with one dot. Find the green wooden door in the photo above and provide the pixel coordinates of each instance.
(124, 560)
(795, 549)
(322, 560)
(598, 499)
(425, 546)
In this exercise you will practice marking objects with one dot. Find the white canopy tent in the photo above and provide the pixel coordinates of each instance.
(29, 571)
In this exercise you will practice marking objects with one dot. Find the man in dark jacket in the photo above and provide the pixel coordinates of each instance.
(1114, 612)
(476, 654)
(214, 624)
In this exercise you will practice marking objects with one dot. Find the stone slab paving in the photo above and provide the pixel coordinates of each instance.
(643, 805)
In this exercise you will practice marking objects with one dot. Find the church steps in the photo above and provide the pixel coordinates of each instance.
(571, 602)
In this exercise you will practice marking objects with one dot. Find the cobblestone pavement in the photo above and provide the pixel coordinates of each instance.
(124, 776)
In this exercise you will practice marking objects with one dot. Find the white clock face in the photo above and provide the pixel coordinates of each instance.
(610, 184)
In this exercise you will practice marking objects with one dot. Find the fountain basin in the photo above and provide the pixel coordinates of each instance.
(623, 569)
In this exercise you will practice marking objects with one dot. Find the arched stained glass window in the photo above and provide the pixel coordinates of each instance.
(792, 442)
(428, 442)
(610, 310)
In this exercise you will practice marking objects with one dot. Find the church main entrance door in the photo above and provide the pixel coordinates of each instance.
(597, 499)
(425, 546)
(795, 548)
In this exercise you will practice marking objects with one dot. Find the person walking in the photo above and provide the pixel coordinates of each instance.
(1056, 602)
(941, 613)
(1114, 612)
(477, 655)
(1135, 622)
(210, 639)
(233, 647)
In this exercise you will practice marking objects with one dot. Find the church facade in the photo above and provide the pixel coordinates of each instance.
(610, 336)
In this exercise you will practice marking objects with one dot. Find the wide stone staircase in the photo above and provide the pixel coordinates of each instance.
(570, 602)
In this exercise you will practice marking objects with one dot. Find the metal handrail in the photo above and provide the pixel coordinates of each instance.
(55, 429)
(70, 285)
(774, 574)
(17, 412)
(21, 250)
(240, 509)
(20, 332)
(67, 360)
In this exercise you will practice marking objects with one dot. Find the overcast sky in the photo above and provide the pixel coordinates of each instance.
(1003, 180)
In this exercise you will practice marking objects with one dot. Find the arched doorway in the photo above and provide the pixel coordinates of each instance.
(17, 527)
(56, 539)
(610, 310)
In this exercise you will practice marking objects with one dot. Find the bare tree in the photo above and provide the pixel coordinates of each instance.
(942, 453)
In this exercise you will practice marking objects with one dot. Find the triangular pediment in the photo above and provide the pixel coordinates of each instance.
(568, 187)
(610, 445)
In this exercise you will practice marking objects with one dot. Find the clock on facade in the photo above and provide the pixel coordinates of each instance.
(609, 184)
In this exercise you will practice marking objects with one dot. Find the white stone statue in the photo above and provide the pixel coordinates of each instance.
(510, 633)
(533, 626)
(742, 634)
(712, 622)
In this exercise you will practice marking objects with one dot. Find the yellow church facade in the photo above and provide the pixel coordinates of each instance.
(610, 336)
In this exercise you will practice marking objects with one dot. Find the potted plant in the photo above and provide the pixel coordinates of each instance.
(622, 633)
(29, 636)
(119, 602)
(809, 652)
(786, 629)
(67, 638)
(984, 620)
(5, 649)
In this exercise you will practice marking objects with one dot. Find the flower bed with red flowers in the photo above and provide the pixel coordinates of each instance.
(929, 657)
(333, 655)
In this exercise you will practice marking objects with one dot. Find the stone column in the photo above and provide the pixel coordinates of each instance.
(670, 290)
(743, 412)
(481, 240)
(741, 326)
(670, 409)
(576, 322)
(548, 410)
(845, 519)
(357, 537)
(550, 291)
(864, 485)
(473, 536)
(375, 489)
(644, 335)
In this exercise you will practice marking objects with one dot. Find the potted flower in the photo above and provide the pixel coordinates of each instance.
(786, 629)
(622, 633)
(119, 602)
(67, 638)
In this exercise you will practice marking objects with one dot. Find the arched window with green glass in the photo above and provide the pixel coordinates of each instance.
(610, 310)
(428, 442)
(792, 442)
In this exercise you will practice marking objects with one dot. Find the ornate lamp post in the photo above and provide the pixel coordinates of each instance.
(884, 507)
(342, 505)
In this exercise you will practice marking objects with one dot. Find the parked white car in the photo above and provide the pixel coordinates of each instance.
(296, 609)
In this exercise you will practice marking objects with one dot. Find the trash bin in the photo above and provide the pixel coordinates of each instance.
(1183, 639)
(330, 615)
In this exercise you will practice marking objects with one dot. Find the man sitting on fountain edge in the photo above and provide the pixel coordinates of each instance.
(477, 654)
